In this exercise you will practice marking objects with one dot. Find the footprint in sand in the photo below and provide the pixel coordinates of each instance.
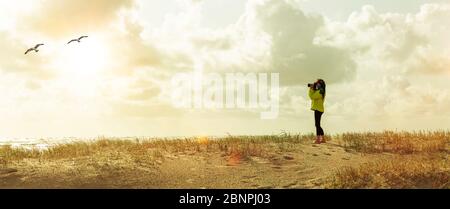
(249, 177)
(305, 171)
(290, 185)
(259, 160)
(265, 187)
(255, 185)
(288, 158)
(7, 170)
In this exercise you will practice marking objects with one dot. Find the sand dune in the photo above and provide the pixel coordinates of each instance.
(228, 163)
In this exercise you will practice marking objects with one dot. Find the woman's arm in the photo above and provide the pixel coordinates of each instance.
(314, 94)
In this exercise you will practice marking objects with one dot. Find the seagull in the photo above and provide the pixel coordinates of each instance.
(35, 48)
(77, 40)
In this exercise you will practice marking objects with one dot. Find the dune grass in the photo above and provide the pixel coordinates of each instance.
(400, 172)
(243, 146)
(420, 159)
(397, 142)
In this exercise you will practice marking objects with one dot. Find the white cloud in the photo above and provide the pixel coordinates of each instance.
(399, 59)
(402, 42)
(276, 36)
(13, 60)
(59, 18)
(381, 67)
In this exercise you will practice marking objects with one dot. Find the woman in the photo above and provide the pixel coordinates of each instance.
(317, 93)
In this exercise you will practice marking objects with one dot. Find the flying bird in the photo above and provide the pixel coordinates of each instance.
(35, 48)
(77, 39)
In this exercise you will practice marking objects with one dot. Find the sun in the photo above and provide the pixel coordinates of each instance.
(87, 58)
(80, 66)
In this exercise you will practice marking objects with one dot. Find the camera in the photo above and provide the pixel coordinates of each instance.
(310, 85)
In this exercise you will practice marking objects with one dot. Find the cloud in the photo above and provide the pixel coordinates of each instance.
(404, 43)
(50, 21)
(129, 50)
(144, 111)
(354, 56)
(277, 36)
(294, 53)
(13, 60)
(56, 18)
(378, 65)
(401, 60)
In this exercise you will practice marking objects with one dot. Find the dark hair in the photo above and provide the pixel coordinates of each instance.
(323, 87)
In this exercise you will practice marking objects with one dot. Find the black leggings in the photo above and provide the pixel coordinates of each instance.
(318, 117)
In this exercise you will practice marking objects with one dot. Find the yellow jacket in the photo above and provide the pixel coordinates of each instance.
(317, 100)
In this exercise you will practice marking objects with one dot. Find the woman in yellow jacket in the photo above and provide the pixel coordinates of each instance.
(317, 93)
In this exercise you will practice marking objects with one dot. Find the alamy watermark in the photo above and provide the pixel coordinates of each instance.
(251, 91)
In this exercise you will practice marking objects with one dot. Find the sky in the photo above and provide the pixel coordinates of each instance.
(386, 64)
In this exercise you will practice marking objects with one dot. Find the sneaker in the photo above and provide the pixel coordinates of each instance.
(318, 141)
(322, 139)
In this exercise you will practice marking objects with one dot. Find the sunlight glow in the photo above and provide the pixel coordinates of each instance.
(88, 58)
(80, 66)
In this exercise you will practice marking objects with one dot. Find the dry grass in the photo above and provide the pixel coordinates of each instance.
(418, 159)
(400, 172)
(397, 142)
(243, 146)
(77, 150)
